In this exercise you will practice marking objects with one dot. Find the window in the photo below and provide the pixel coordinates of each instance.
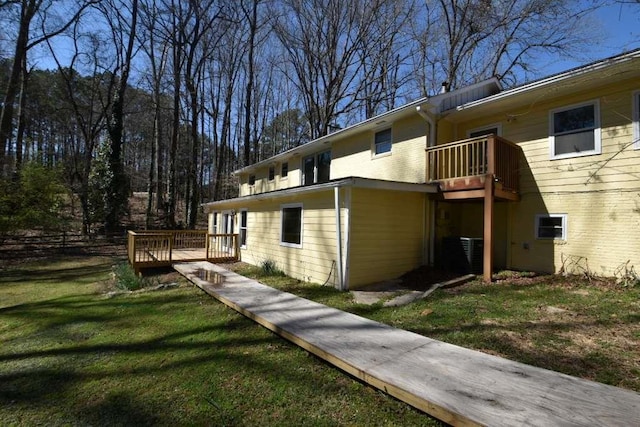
(551, 226)
(272, 173)
(316, 169)
(636, 119)
(252, 179)
(243, 228)
(291, 226)
(214, 222)
(284, 170)
(495, 129)
(575, 130)
(382, 142)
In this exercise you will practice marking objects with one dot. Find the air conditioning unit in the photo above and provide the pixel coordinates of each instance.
(463, 254)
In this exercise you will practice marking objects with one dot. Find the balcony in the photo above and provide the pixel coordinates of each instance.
(462, 168)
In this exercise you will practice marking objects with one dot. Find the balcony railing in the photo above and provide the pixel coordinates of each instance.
(164, 247)
(475, 157)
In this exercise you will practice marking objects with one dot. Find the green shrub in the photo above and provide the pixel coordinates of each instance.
(270, 268)
(32, 201)
(126, 278)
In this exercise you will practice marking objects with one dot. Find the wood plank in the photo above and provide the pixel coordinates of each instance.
(457, 385)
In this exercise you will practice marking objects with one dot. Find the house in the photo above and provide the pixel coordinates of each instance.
(542, 177)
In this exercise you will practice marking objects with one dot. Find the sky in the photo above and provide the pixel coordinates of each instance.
(620, 32)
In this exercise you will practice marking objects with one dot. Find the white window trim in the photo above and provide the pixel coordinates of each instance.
(282, 178)
(269, 178)
(564, 226)
(246, 228)
(597, 140)
(292, 205)
(636, 119)
(498, 126)
(373, 143)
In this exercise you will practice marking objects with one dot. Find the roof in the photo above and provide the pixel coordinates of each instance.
(355, 182)
(490, 86)
(563, 83)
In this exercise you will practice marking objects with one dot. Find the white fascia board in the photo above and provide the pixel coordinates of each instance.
(553, 79)
(355, 182)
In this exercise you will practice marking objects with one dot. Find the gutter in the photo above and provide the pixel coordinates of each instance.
(344, 182)
(536, 84)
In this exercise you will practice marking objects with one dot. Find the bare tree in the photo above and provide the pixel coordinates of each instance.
(323, 39)
(122, 18)
(463, 41)
(50, 25)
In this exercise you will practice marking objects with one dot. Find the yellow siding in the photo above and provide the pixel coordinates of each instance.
(598, 192)
(406, 162)
(603, 229)
(263, 185)
(313, 262)
(387, 230)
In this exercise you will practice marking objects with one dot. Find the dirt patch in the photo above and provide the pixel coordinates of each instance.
(422, 278)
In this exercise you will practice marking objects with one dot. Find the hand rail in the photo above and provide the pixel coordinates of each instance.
(159, 247)
(485, 155)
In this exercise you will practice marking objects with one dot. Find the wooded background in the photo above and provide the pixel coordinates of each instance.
(101, 98)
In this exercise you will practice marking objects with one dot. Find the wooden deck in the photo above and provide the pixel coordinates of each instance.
(158, 248)
(457, 385)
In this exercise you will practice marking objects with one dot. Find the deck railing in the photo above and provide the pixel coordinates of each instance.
(154, 248)
(489, 154)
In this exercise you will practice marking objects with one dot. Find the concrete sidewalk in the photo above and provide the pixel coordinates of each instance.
(457, 385)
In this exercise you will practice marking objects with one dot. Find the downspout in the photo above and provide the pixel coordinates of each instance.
(336, 200)
(347, 234)
(432, 125)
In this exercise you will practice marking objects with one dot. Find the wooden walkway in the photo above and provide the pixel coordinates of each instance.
(454, 384)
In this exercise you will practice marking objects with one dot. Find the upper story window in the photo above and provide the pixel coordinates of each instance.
(636, 119)
(284, 170)
(382, 142)
(316, 168)
(495, 129)
(272, 173)
(252, 179)
(551, 226)
(575, 130)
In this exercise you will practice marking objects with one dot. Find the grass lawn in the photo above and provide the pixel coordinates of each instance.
(72, 355)
(581, 328)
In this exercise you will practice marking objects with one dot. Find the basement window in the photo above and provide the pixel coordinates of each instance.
(551, 226)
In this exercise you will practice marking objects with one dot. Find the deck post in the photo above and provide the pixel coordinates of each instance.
(487, 249)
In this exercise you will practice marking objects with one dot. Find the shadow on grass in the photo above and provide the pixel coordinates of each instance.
(226, 355)
(15, 277)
